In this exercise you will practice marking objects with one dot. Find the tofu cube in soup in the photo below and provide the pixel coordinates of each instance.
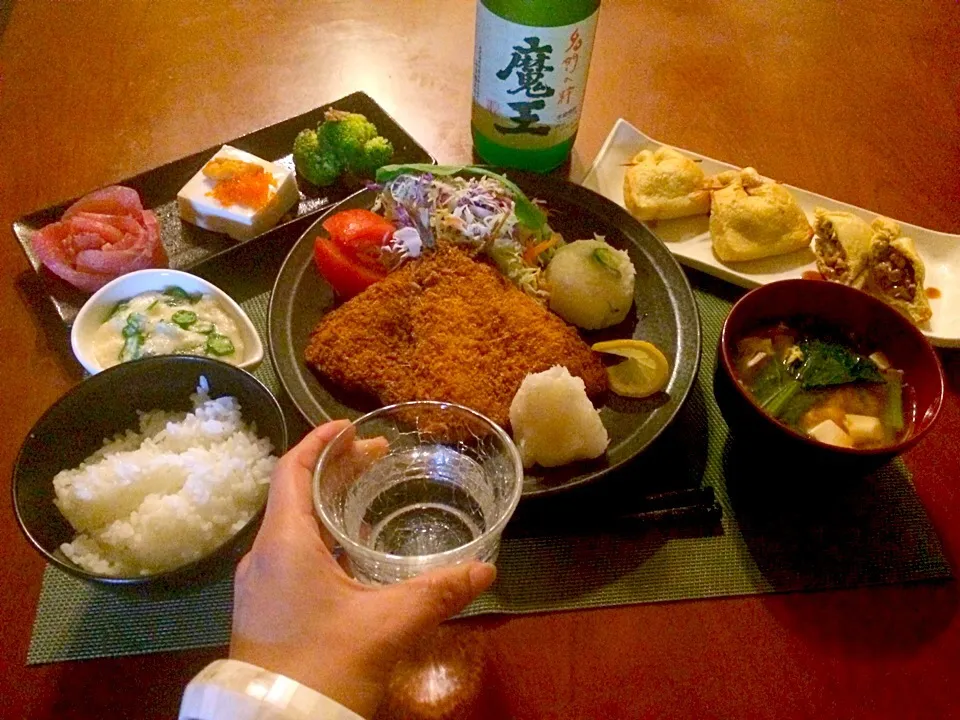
(864, 428)
(831, 433)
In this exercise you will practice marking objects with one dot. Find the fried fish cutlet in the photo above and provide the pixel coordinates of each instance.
(364, 346)
(447, 327)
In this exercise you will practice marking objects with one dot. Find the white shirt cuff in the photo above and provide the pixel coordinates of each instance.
(235, 690)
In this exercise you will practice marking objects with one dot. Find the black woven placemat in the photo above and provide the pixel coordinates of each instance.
(779, 532)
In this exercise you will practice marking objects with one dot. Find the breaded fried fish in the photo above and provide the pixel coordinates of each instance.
(447, 327)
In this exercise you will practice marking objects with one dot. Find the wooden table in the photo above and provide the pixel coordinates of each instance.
(859, 101)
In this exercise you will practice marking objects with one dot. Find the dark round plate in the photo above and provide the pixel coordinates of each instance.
(664, 313)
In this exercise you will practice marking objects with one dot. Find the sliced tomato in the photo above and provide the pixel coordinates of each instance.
(347, 275)
(350, 257)
(361, 234)
(358, 228)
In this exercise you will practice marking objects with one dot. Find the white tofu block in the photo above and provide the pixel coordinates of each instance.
(197, 206)
(880, 360)
(864, 428)
(831, 433)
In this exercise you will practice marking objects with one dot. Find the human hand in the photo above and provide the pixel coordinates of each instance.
(297, 613)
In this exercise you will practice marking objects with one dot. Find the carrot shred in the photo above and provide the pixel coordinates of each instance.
(531, 254)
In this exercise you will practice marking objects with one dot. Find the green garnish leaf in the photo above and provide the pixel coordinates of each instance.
(203, 327)
(774, 386)
(528, 213)
(776, 403)
(184, 318)
(132, 334)
(135, 324)
(828, 363)
(605, 258)
(388, 172)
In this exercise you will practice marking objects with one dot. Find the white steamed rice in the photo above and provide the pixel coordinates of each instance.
(169, 494)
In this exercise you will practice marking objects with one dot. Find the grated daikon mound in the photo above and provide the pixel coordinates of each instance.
(553, 420)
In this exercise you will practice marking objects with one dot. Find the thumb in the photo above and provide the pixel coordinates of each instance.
(418, 605)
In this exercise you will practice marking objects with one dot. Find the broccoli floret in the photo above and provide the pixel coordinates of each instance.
(343, 142)
(376, 153)
(345, 134)
(319, 166)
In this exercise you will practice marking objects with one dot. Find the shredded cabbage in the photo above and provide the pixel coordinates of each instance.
(476, 211)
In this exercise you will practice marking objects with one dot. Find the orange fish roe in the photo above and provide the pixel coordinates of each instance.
(250, 188)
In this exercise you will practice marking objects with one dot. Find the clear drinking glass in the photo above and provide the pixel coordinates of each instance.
(417, 486)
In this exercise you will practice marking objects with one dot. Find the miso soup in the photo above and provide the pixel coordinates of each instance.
(825, 385)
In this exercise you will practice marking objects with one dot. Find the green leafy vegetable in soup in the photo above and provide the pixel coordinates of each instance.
(168, 322)
(821, 385)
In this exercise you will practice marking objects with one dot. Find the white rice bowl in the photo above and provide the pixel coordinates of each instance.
(168, 494)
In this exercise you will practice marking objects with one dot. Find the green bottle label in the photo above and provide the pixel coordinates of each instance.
(529, 82)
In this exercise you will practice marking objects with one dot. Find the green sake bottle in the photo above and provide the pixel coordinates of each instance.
(529, 76)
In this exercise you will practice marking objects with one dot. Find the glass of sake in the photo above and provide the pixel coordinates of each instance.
(416, 486)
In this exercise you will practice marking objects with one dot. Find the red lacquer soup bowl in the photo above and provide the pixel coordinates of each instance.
(846, 312)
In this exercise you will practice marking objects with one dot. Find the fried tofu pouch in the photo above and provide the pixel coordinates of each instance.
(896, 273)
(753, 218)
(842, 246)
(664, 184)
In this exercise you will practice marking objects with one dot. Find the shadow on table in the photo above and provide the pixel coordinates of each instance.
(6, 9)
(153, 681)
(951, 368)
(30, 288)
(662, 488)
(588, 537)
(874, 622)
(813, 528)
(818, 528)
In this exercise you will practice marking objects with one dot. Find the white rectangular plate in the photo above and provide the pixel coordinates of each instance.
(689, 239)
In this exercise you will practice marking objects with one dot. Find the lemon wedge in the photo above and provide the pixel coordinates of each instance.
(644, 372)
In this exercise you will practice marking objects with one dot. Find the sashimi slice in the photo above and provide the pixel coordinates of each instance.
(105, 225)
(48, 242)
(89, 282)
(48, 245)
(81, 241)
(113, 200)
(152, 226)
(113, 263)
(138, 241)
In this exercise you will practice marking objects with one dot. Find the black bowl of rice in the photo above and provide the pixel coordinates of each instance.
(151, 473)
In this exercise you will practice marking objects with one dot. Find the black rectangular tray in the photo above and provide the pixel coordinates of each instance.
(188, 245)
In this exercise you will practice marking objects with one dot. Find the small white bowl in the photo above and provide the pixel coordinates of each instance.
(95, 310)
